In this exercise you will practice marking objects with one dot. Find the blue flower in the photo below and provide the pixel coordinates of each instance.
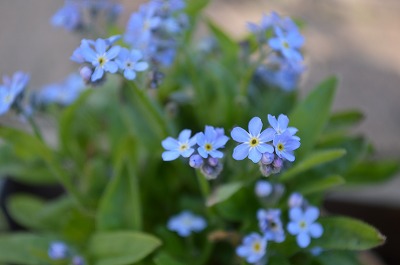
(285, 144)
(130, 62)
(254, 142)
(185, 223)
(253, 248)
(303, 225)
(210, 141)
(196, 161)
(100, 54)
(271, 225)
(288, 44)
(68, 17)
(11, 90)
(78, 260)
(296, 200)
(263, 188)
(58, 250)
(280, 125)
(180, 147)
(63, 93)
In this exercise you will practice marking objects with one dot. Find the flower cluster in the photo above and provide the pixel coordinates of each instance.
(302, 225)
(60, 251)
(102, 56)
(284, 66)
(185, 223)
(270, 147)
(154, 30)
(78, 15)
(202, 149)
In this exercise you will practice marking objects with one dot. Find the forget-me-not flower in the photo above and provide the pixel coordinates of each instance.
(253, 143)
(271, 225)
(280, 125)
(253, 248)
(263, 188)
(11, 89)
(185, 223)
(288, 44)
(285, 144)
(131, 62)
(68, 17)
(58, 250)
(302, 224)
(210, 141)
(178, 147)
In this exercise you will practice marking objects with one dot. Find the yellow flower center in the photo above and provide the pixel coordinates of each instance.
(8, 99)
(257, 247)
(208, 147)
(101, 60)
(280, 147)
(285, 44)
(183, 147)
(302, 224)
(254, 142)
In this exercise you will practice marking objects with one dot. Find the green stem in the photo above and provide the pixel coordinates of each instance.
(34, 126)
(135, 189)
(203, 184)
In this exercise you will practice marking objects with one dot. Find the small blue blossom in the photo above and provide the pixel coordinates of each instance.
(302, 225)
(285, 144)
(267, 22)
(263, 188)
(58, 250)
(11, 90)
(296, 200)
(78, 260)
(196, 161)
(68, 17)
(130, 62)
(185, 223)
(63, 93)
(180, 147)
(271, 225)
(210, 141)
(267, 158)
(288, 44)
(253, 248)
(280, 125)
(253, 143)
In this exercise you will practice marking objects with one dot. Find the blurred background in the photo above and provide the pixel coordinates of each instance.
(357, 40)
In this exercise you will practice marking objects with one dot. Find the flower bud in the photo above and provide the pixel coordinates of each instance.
(263, 188)
(267, 158)
(196, 161)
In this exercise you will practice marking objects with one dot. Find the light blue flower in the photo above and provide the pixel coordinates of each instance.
(130, 62)
(296, 200)
(288, 44)
(196, 161)
(263, 188)
(58, 250)
(12, 89)
(101, 56)
(210, 141)
(68, 17)
(302, 225)
(285, 144)
(185, 223)
(270, 224)
(78, 260)
(253, 248)
(180, 147)
(253, 143)
(280, 125)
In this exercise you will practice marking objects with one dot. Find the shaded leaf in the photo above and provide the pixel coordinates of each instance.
(320, 185)
(224, 192)
(372, 171)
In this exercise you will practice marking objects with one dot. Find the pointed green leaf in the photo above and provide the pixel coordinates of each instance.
(372, 171)
(24, 248)
(343, 120)
(320, 185)
(312, 160)
(224, 192)
(122, 247)
(338, 257)
(164, 259)
(123, 190)
(311, 115)
(343, 233)
(24, 209)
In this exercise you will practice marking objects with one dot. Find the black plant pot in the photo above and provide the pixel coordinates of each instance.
(11, 187)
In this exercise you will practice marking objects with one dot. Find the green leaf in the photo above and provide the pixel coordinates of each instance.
(320, 185)
(122, 247)
(337, 257)
(122, 191)
(343, 233)
(24, 209)
(343, 120)
(311, 115)
(312, 160)
(372, 171)
(165, 259)
(195, 7)
(226, 42)
(224, 192)
(24, 248)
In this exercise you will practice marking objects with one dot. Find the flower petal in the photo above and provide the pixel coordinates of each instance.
(184, 135)
(255, 126)
(311, 214)
(255, 155)
(241, 152)
(267, 135)
(240, 135)
(170, 143)
(303, 240)
(170, 155)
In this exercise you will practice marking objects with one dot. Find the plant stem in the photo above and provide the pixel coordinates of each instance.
(34, 126)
